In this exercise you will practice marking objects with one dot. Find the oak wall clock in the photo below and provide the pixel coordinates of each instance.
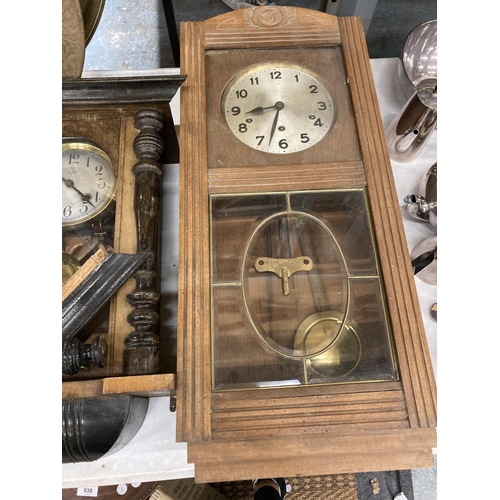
(301, 347)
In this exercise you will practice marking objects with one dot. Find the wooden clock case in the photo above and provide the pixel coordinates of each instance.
(305, 430)
(130, 119)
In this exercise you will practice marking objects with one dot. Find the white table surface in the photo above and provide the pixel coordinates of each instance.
(153, 454)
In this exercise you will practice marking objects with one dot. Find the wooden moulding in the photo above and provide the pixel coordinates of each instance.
(83, 272)
(134, 385)
(193, 348)
(409, 332)
(326, 429)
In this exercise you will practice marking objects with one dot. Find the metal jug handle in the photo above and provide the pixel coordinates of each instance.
(410, 130)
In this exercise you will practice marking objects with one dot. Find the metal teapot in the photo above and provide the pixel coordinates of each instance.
(423, 206)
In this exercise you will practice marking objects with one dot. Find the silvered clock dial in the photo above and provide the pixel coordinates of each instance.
(278, 107)
(88, 181)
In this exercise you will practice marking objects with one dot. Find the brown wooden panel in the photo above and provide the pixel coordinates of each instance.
(255, 29)
(313, 454)
(227, 151)
(293, 177)
(384, 442)
(226, 470)
(312, 413)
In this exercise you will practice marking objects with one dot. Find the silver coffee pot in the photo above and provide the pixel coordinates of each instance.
(410, 130)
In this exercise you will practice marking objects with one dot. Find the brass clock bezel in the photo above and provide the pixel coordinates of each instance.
(84, 144)
(277, 64)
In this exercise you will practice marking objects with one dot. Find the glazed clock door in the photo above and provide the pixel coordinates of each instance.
(296, 293)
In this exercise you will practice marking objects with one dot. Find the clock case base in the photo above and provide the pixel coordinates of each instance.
(327, 429)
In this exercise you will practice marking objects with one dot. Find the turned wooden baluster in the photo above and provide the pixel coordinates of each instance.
(142, 347)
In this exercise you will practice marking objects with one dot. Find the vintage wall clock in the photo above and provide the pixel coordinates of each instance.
(301, 348)
(117, 133)
(88, 179)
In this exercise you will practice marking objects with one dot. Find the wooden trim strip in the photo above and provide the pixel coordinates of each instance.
(349, 410)
(401, 291)
(349, 428)
(193, 390)
(420, 350)
(138, 385)
(304, 420)
(363, 390)
(244, 402)
(272, 40)
(298, 177)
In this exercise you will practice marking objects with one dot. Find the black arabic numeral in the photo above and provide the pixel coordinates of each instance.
(313, 89)
(321, 106)
(235, 110)
(304, 138)
(260, 138)
(73, 158)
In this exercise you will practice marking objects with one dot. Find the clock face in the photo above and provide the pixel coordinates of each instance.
(88, 181)
(278, 108)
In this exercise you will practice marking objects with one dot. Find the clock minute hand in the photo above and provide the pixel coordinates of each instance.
(71, 184)
(279, 106)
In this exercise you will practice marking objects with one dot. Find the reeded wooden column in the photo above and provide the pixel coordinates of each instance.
(142, 346)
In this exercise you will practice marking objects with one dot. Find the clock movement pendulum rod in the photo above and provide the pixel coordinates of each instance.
(142, 346)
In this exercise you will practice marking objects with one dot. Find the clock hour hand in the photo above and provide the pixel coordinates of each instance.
(259, 110)
(279, 106)
(71, 184)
